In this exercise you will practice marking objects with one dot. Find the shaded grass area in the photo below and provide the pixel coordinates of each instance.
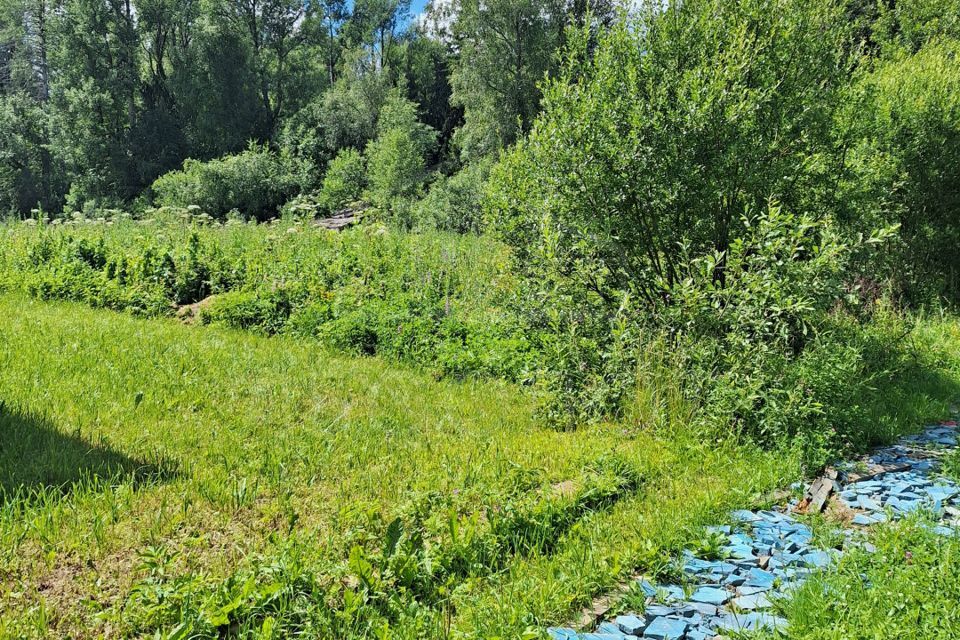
(35, 457)
(304, 492)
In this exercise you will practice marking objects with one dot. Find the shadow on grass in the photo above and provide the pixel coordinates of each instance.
(914, 397)
(37, 458)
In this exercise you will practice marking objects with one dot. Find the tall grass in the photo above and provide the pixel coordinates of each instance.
(200, 480)
(437, 300)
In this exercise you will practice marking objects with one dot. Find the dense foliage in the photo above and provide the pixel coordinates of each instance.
(434, 300)
(759, 187)
(256, 182)
(100, 98)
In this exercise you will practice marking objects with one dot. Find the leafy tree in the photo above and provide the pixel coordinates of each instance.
(216, 93)
(94, 94)
(652, 146)
(396, 158)
(350, 108)
(426, 64)
(505, 49)
(662, 138)
(333, 15)
(25, 161)
(30, 174)
(374, 27)
(901, 127)
(273, 30)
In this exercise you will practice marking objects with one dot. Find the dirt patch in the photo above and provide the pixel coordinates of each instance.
(565, 489)
(839, 513)
(73, 589)
(190, 313)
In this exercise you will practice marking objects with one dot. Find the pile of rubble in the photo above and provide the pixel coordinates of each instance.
(767, 554)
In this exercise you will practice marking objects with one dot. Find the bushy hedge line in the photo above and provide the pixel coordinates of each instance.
(434, 299)
(254, 183)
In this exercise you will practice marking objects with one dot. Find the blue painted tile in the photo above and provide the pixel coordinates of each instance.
(670, 592)
(654, 611)
(631, 624)
(818, 559)
(648, 589)
(611, 629)
(760, 578)
(704, 609)
(710, 595)
(665, 629)
(752, 602)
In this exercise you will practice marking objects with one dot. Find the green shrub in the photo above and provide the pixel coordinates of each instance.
(255, 182)
(780, 349)
(344, 182)
(455, 203)
(902, 123)
(265, 311)
(397, 157)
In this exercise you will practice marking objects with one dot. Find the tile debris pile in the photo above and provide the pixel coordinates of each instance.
(767, 554)
(916, 487)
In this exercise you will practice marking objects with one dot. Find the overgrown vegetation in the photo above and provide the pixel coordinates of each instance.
(904, 587)
(434, 300)
(688, 239)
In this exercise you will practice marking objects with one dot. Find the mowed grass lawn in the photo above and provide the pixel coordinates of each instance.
(125, 440)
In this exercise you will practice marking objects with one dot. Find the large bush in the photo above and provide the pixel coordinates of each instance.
(397, 157)
(344, 181)
(659, 140)
(651, 147)
(255, 183)
(902, 130)
(640, 211)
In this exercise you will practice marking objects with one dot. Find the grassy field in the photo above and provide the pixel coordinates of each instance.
(197, 481)
(221, 453)
(437, 300)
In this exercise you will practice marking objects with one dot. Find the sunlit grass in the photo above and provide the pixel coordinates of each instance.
(905, 588)
(135, 448)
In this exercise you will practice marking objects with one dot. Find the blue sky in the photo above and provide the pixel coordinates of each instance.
(416, 7)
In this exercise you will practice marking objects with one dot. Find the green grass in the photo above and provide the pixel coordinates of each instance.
(202, 481)
(907, 588)
(437, 300)
(231, 450)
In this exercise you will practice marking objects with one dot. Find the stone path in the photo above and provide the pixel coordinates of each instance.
(767, 554)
